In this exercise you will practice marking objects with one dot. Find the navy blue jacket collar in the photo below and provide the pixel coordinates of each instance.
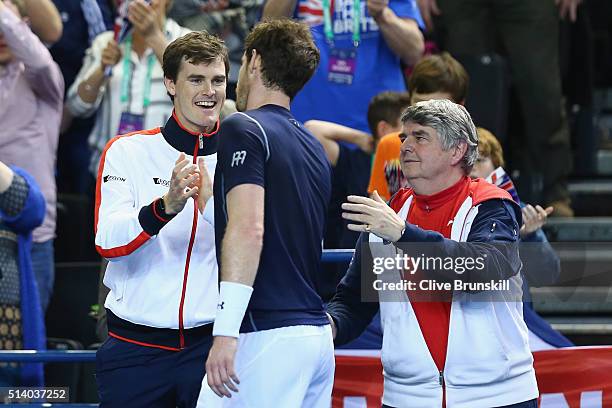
(186, 141)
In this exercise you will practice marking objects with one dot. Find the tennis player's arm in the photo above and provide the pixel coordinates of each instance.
(243, 240)
(241, 160)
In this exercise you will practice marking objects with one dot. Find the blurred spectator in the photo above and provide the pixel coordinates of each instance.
(355, 66)
(231, 20)
(434, 77)
(383, 118)
(529, 31)
(31, 95)
(541, 264)
(83, 21)
(134, 97)
(43, 17)
(331, 134)
(22, 208)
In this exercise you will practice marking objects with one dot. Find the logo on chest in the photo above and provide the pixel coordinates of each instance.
(161, 182)
(108, 178)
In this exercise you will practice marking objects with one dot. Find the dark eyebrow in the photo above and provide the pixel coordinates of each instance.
(197, 76)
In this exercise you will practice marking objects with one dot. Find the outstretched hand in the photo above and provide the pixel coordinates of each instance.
(374, 216)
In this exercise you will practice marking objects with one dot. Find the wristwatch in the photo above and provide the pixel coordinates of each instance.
(162, 204)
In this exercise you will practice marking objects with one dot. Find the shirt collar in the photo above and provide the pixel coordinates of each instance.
(186, 141)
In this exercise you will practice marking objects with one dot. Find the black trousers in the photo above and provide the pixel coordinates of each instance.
(130, 375)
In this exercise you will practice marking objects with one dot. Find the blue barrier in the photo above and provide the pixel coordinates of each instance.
(337, 255)
(48, 356)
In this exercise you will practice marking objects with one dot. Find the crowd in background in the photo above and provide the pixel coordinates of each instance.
(70, 80)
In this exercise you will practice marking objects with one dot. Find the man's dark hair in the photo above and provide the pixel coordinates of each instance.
(387, 106)
(196, 47)
(440, 73)
(289, 56)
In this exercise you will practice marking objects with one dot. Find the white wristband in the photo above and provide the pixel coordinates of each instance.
(233, 301)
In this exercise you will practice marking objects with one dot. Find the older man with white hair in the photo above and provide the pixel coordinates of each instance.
(461, 347)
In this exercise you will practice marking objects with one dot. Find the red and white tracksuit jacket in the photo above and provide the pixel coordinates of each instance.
(162, 274)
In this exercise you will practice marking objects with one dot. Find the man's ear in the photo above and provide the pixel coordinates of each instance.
(383, 128)
(170, 86)
(254, 62)
(380, 129)
(459, 153)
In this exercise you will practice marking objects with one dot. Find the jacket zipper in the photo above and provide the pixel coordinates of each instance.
(441, 380)
(194, 225)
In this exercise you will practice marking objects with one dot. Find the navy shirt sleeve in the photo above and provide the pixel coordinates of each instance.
(243, 152)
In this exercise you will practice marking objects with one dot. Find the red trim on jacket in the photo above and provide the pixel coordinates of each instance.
(143, 236)
(140, 343)
(194, 226)
(124, 249)
(178, 122)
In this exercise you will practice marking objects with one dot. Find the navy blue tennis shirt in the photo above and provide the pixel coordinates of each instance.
(270, 148)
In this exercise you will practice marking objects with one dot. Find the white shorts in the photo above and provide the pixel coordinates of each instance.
(289, 367)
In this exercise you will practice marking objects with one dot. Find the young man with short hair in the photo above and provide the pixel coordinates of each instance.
(162, 274)
(272, 187)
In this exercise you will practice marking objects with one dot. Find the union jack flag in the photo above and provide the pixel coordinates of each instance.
(501, 179)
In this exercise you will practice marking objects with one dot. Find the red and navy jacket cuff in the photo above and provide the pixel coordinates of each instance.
(152, 217)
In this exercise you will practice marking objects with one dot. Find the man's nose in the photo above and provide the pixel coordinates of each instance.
(207, 88)
(407, 145)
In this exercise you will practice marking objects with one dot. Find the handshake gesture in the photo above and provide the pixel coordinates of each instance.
(188, 180)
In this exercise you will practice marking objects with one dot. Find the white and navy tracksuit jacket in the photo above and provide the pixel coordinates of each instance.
(488, 361)
(162, 274)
